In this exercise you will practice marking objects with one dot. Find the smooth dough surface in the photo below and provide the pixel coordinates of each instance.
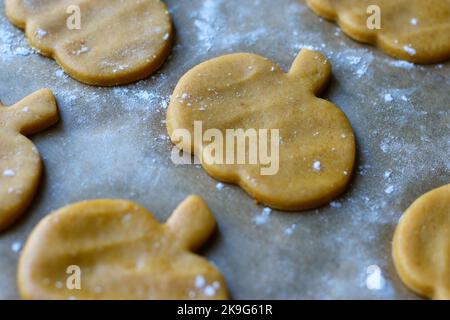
(413, 30)
(122, 252)
(20, 163)
(421, 247)
(119, 41)
(247, 91)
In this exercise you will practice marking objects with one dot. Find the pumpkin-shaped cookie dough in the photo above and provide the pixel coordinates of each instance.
(116, 41)
(421, 246)
(20, 163)
(413, 30)
(246, 91)
(120, 251)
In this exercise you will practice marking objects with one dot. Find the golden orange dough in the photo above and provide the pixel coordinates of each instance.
(20, 163)
(119, 41)
(247, 91)
(122, 252)
(421, 247)
(413, 30)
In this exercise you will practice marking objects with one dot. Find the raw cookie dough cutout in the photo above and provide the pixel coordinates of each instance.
(20, 163)
(421, 247)
(119, 41)
(413, 30)
(247, 91)
(122, 252)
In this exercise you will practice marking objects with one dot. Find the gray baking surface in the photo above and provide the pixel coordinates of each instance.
(112, 143)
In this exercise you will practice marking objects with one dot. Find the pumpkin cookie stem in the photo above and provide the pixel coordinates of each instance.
(313, 68)
(16, 13)
(192, 222)
(34, 113)
(323, 8)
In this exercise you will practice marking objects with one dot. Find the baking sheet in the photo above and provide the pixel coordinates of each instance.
(112, 142)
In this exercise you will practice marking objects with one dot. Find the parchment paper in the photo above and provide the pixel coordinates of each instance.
(112, 142)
